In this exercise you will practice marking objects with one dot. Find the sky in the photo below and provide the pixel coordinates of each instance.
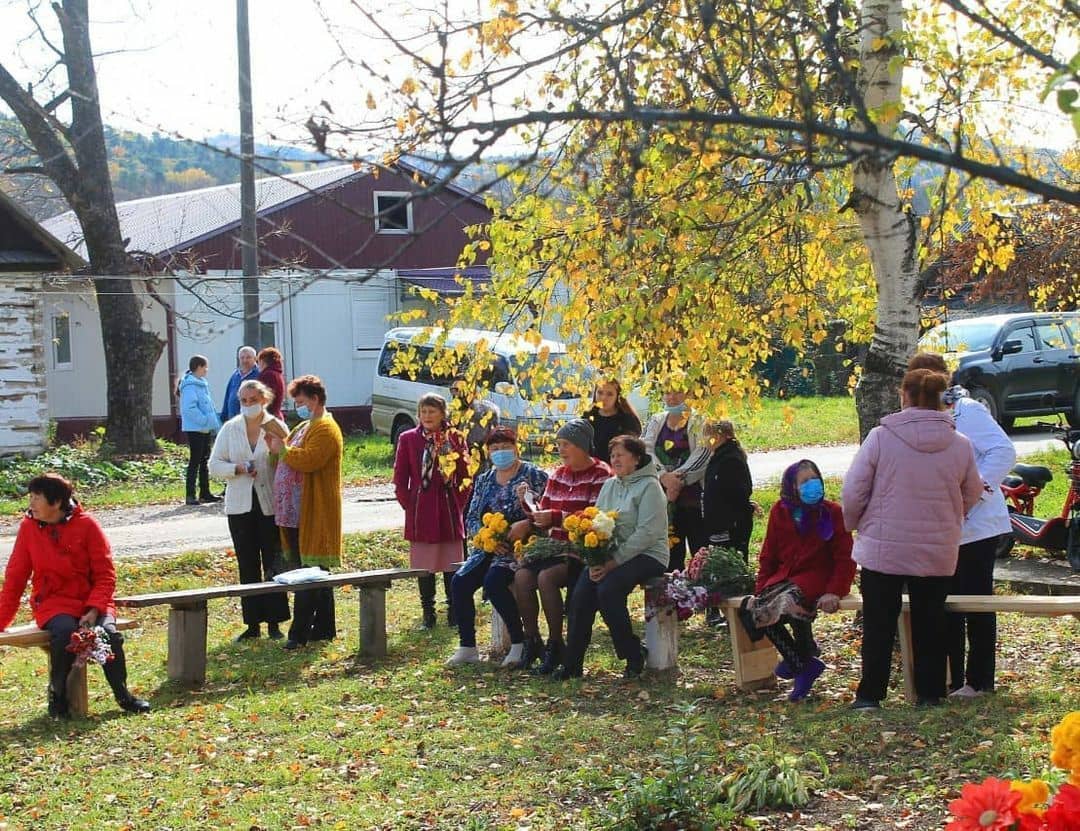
(170, 65)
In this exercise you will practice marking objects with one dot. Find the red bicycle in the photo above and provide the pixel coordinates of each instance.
(1021, 488)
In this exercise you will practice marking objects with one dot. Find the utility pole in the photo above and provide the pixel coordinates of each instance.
(249, 240)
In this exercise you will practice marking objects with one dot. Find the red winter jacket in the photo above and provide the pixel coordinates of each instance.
(436, 514)
(70, 567)
(814, 565)
(274, 378)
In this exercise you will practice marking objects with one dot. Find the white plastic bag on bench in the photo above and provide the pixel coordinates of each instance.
(301, 575)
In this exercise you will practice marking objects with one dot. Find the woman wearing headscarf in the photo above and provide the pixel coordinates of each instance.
(805, 565)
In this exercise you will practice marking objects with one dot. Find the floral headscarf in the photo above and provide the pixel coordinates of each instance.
(806, 517)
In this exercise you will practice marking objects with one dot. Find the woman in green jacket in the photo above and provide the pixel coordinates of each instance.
(640, 553)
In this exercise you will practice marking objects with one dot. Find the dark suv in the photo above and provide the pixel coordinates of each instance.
(1017, 364)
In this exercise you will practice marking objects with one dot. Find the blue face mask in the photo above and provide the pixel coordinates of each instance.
(303, 412)
(811, 492)
(502, 459)
(676, 409)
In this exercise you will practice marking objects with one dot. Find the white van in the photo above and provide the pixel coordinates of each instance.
(394, 394)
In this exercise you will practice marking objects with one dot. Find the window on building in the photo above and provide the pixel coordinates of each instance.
(267, 333)
(61, 338)
(393, 212)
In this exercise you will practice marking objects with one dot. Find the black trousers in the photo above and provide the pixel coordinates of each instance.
(313, 609)
(881, 606)
(258, 558)
(60, 629)
(690, 529)
(609, 598)
(974, 633)
(199, 445)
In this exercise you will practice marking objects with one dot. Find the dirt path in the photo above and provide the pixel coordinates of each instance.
(163, 530)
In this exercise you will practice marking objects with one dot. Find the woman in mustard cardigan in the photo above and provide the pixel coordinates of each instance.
(307, 504)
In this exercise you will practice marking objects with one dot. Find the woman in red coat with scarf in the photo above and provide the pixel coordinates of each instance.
(430, 481)
(63, 553)
(805, 565)
(272, 375)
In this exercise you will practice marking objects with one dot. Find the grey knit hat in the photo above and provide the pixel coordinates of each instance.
(578, 432)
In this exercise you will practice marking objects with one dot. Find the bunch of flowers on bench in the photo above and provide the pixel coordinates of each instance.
(1026, 806)
(713, 574)
(90, 645)
(589, 532)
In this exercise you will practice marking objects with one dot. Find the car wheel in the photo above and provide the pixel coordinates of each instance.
(983, 396)
(400, 426)
(1074, 416)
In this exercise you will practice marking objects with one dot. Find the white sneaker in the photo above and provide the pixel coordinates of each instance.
(464, 655)
(966, 691)
(513, 657)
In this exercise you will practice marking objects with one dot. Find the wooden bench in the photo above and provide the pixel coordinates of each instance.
(661, 635)
(188, 618)
(29, 635)
(755, 662)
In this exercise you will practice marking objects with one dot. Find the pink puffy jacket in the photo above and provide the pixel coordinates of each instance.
(907, 492)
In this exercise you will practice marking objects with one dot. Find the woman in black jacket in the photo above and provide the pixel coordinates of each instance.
(726, 508)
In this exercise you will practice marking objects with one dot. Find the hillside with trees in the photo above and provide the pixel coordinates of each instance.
(141, 165)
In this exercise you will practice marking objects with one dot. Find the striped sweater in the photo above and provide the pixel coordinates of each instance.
(569, 490)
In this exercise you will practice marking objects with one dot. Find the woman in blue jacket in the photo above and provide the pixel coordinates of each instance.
(200, 421)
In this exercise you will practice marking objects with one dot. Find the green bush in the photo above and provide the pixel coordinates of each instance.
(89, 468)
(770, 779)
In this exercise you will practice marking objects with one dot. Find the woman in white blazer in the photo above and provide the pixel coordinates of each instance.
(241, 457)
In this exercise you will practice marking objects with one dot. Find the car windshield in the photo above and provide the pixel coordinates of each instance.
(960, 336)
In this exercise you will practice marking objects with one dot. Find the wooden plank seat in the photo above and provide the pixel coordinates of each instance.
(29, 635)
(661, 635)
(188, 616)
(755, 662)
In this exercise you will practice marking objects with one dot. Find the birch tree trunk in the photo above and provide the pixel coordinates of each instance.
(887, 228)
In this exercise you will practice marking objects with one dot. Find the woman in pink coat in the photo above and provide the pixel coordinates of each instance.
(906, 494)
(431, 484)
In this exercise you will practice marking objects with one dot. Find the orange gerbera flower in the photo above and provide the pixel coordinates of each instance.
(989, 806)
(1033, 796)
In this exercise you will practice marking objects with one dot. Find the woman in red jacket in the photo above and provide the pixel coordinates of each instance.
(805, 565)
(63, 552)
(272, 375)
(430, 481)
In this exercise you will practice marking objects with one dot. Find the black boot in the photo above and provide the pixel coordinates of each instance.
(451, 615)
(116, 674)
(58, 704)
(553, 657)
(534, 649)
(635, 665)
(427, 600)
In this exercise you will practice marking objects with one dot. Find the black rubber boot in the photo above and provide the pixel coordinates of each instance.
(427, 600)
(534, 649)
(553, 656)
(116, 674)
(451, 616)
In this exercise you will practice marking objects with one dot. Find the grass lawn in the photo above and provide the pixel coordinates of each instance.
(314, 739)
(780, 424)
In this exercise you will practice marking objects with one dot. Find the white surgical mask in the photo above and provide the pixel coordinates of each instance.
(251, 410)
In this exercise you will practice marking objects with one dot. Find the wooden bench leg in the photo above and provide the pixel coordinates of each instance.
(373, 621)
(662, 642)
(500, 635)
(907, 654)
(187, 644)
(754, 662)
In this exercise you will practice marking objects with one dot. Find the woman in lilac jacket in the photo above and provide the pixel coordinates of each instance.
(906, 494)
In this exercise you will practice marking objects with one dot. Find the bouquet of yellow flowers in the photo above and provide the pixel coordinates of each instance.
(590, 532)
(494, 529)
